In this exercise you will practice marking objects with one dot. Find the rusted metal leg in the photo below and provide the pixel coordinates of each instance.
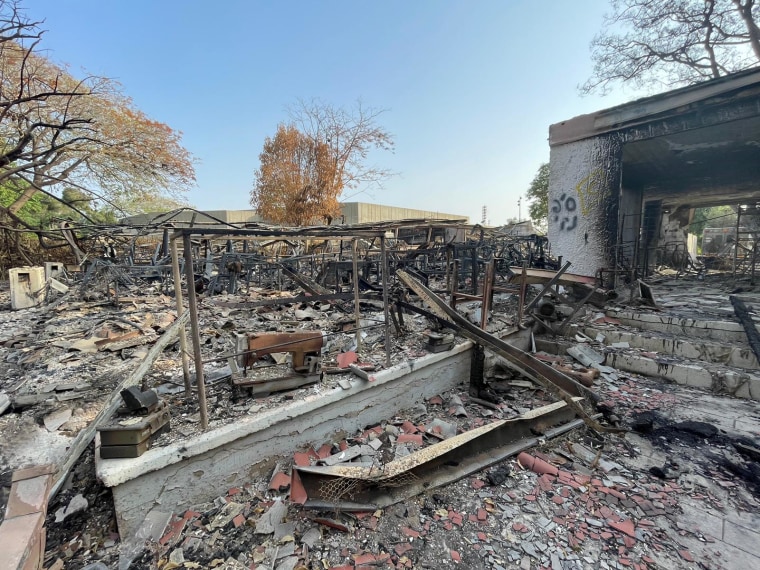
(386, 284)
(454, 284)
(523, 289)
(180, 309)
(357, 309)
(195, 328)
(485, 306)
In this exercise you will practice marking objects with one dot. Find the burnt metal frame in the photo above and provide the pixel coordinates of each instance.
(186, 235)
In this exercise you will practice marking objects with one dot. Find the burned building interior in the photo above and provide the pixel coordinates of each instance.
(416, 393)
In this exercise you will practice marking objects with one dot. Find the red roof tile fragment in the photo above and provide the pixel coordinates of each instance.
(686, 555)
(625, 526)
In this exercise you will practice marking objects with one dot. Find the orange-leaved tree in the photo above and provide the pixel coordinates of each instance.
(313, 159)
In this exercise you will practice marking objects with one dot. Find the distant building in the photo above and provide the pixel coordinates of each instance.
(524, 228)
(351, 213)
(364, 212)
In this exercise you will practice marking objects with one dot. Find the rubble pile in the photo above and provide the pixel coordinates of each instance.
(662, 475)
(574, 503)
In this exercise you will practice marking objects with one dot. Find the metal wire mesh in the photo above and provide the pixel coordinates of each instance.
(338, 489)
(400, 480)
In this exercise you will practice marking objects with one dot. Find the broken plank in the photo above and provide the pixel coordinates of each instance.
(85, 436)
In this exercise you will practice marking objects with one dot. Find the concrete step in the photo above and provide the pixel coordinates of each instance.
(737, 355)
(716, 378)
(682, 327)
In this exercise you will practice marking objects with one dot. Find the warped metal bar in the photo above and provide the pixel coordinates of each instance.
(521, 361)
(371, 487)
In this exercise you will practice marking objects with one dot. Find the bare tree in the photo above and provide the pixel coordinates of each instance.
(673, 42)
(56, 129)
(311, 161)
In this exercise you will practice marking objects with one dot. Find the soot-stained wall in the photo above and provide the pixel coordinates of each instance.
(584, 193)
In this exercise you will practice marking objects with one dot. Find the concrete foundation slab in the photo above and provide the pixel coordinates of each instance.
(715, 378)
(721, 353)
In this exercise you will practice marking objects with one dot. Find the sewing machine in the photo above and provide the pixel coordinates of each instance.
(304, 349)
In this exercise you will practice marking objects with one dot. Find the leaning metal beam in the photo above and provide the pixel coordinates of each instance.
(372, 487)
(549, 285)
(551, 379)
(743, 314)
(306, 284)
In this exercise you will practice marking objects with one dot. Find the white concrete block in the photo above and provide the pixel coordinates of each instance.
(53, 268)
(27, 286)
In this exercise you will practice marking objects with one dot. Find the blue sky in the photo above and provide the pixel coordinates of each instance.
(470, 87)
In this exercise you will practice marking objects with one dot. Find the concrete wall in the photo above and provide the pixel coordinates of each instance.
(584, 193)
(175, 477)
(353, 212)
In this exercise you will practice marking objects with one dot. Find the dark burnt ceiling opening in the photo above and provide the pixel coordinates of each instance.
(700, 167)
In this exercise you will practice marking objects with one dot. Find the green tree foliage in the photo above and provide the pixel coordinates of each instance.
(713, 217)
(538, 198)
(42, 210)
(673, 43)
(59, 131)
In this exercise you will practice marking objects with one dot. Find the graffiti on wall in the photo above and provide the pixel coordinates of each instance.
(563, 212)
(592, 191)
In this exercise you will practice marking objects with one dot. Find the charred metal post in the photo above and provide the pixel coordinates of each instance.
(357, 311)
(474, 269)
(180, 308)
(736, 239)
(190, 276)
(523, 288)
(448, 269)
(477, 368)
(165, 242)
(384, 254)
(745, 318)
(548, 286)
(454, 284)
(485, 306)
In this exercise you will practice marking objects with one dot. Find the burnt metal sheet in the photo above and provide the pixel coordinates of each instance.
(367, 488)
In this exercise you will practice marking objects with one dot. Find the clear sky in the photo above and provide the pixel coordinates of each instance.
(470, 86)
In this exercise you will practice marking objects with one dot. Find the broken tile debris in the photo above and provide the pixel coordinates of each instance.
(574, 503)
